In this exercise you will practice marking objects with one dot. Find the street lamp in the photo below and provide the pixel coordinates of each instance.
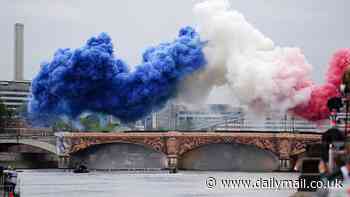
(334, 105)
(345, 90)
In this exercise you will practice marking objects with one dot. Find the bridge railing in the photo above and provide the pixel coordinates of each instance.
(224, 125)
(269, 125)
(26, 132)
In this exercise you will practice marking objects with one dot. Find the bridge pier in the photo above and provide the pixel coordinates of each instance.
(172, 148)
(64, 162)
(285, 164)
(173, 163)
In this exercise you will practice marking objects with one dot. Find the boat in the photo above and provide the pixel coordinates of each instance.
(81, 169)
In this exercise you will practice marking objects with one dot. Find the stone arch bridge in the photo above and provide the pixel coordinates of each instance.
(176, 145)
(39, 138)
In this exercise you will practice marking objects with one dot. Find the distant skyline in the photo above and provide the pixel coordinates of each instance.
(317, 27)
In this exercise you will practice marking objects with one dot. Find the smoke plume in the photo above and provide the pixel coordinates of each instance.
(91, 79)
(262, 76)
(230, 52)
(316, 107)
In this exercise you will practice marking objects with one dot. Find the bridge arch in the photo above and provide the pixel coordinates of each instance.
(119, 155)
(81, 143)
(223, 156)
(190, 143)
(32, 142)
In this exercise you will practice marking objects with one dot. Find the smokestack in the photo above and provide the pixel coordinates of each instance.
(18, 72)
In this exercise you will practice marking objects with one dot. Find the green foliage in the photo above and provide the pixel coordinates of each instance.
(92, 123)
(186, 124)
(5, 114)
(3, 109)
(62, 126)
(164, 129)
(89, 123)
(22, 110)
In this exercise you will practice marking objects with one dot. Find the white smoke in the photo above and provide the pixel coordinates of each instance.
(259, 74)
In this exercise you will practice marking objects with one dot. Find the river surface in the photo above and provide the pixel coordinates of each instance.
(145, 184)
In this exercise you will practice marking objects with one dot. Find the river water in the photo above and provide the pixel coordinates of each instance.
(145, 184)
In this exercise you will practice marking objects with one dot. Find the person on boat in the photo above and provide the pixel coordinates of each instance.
(340, 174)
(10, 182)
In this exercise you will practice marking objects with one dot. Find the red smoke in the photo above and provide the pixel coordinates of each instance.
(316, 108)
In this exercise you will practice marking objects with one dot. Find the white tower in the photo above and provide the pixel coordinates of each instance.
(19, 44)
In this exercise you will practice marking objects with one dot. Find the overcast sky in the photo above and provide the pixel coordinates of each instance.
(319, 27)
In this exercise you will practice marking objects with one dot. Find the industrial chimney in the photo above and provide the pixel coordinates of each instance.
(18, 72)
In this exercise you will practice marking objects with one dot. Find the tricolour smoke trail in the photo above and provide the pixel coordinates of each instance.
(261, 76)
(91, 79)
(316, 107)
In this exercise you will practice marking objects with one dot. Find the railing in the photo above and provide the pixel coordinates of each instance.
(232, 124)
(15, 123)
(236, 122)
(268, 125)
(277, 126)
(26, 133)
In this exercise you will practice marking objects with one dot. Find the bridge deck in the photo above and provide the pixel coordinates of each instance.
(194, 134)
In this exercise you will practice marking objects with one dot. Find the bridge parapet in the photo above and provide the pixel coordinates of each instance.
(27, 132)
(42, 138)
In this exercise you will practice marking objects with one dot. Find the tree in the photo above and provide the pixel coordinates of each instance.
(89, 122)
(93, 122)
(4, 114)
(61, 125)
(22, 110)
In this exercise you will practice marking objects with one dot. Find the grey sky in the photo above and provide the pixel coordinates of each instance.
(319, 27)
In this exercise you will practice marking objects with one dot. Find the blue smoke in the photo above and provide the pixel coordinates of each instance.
(91, 79)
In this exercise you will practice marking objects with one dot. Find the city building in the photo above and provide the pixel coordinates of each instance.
(180, 117)
(220, 117)
(14, 93)
(165, 119)
(211, 116)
